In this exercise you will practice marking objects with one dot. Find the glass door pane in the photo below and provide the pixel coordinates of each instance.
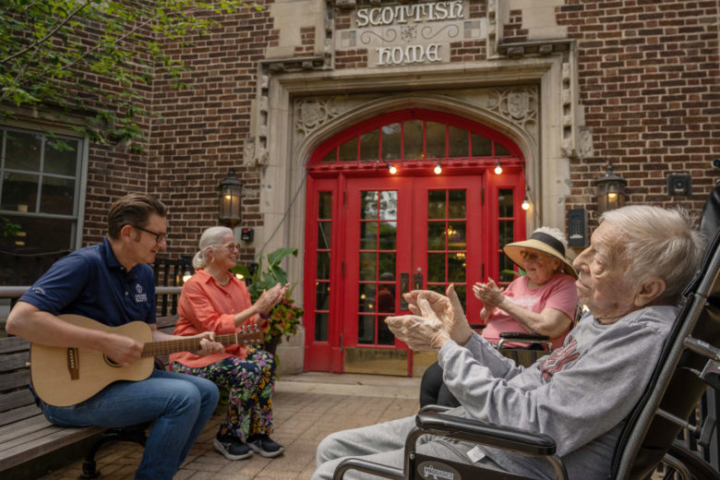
(447, 240)
(378, 266)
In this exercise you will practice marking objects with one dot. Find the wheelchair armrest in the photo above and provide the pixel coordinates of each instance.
(486, 434)
(434, 409)
(367, 467)
(525, 337)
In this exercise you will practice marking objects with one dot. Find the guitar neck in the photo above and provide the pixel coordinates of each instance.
(189, 344)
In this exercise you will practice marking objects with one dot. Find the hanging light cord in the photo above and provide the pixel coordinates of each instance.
(282, 220)
(533, 203)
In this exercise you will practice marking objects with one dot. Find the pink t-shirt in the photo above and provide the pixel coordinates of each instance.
(559, 293)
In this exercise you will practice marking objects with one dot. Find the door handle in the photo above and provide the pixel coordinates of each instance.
(417, 280)
(404, 288)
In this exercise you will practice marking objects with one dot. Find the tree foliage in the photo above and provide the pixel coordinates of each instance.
(95, 58)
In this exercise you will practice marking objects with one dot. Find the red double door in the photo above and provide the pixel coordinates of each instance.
(371, 239)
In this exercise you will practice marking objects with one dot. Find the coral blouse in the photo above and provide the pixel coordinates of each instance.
(206, 306)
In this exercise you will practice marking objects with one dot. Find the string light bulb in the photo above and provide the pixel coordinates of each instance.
(392, 169)
(526, 203)
(498, 168)
(438, 169)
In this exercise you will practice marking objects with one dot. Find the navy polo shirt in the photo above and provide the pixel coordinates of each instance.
(92, 283)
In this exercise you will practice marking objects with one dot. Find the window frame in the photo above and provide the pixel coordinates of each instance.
(81, 173)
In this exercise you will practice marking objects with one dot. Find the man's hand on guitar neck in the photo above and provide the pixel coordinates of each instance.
(208, 344)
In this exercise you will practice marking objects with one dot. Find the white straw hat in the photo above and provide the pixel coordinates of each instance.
(542, 242)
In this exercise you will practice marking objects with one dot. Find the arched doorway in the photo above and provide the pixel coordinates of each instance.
(372, 235)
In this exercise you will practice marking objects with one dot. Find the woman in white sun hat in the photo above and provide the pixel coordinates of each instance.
(543, 302)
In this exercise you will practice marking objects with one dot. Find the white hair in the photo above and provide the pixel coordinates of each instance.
(658, 243)
(211, 237)
(555, 233)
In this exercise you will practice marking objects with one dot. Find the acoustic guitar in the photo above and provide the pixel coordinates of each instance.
(67, 376)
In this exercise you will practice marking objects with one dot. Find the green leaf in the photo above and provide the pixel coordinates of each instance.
(276, 257)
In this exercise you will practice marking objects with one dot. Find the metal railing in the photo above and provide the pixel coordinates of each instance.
(168, 295)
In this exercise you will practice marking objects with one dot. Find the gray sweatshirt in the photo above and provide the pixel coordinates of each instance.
(580, 395)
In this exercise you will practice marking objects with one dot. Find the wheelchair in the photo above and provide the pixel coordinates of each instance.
(689, 362)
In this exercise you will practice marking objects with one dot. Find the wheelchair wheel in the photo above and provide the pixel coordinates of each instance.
(695, 465)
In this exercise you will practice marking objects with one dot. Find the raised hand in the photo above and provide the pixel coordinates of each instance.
(438, 302)
(421, 332)
(447, 308)
(457, 323)
(489, 293)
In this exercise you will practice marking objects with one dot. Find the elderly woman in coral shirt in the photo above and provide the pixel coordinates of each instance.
(214, 300)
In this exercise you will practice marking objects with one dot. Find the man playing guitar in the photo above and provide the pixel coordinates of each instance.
(112, 284)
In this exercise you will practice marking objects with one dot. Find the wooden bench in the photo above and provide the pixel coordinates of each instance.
(26, 435)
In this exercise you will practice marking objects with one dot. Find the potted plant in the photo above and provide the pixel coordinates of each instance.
(285, 317)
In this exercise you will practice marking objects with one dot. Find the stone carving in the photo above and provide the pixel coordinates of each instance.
(249, 151)
(408, 33)
(585, 143)
(391, 36)
(312, 113)
(427, 31)
(519, 105)
(254, 154)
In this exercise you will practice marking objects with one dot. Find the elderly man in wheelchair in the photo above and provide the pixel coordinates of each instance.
(631, 279)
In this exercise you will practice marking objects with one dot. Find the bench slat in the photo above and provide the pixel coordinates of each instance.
(53, 439)
(21, 428)
(14, 380)
(13, 345)
(16, 399)
(14, 361)
(19, 414)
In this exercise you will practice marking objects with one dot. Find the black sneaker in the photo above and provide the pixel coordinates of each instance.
(231, 447)
(263, 445)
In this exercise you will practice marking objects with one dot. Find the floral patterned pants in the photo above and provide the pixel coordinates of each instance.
(250, 381)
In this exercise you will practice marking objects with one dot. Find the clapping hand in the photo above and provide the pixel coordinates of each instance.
(268, 300)
(447, 308)
(489, 294)
(421, 332)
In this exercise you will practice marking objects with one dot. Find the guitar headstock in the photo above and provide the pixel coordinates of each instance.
(250, 335)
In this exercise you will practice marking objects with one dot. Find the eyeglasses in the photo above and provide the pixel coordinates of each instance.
(159, 237)
(229, 246)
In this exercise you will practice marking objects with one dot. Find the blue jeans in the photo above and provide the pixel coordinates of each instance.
(180, 406)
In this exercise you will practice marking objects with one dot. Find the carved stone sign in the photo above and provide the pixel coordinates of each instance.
(412, 33)
(400, 14)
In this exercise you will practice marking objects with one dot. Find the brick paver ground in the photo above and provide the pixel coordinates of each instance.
(307, 407)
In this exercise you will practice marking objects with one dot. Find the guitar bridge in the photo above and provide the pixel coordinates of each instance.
(73, 363)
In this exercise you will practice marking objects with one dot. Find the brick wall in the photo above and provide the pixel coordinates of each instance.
(649, 74)
(202, 130)
(648, 82)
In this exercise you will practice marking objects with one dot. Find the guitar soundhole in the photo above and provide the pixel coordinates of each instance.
(111, 362)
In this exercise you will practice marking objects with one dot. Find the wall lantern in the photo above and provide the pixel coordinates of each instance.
(187, 268)
(230, 193)
(610, 191)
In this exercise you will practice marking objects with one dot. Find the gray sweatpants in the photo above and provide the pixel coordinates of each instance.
(384, 443)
